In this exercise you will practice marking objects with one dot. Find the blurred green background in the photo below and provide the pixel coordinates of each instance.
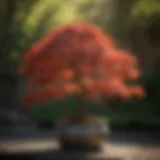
(134, 23)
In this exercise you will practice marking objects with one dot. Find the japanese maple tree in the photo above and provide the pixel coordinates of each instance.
(78, 59)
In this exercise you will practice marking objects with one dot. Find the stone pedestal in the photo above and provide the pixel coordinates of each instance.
(100, 155)
(49, 149)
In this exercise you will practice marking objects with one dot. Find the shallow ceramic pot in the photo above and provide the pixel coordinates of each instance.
(90, 133)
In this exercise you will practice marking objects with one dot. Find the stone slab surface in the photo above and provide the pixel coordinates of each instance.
(110, 151)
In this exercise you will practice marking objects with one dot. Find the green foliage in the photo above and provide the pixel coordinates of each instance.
(24, 22)
(122, 114)
(146, 7)
(143, 11)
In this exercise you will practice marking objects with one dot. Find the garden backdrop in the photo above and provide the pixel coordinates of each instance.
(135, 24)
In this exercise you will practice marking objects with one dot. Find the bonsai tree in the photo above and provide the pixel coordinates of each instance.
(78, 59)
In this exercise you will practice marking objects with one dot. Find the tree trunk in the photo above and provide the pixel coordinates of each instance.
(80, 109)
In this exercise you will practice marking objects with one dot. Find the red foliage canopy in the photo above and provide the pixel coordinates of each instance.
(78, 58)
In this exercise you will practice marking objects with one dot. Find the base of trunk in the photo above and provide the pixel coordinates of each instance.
(87, 134)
